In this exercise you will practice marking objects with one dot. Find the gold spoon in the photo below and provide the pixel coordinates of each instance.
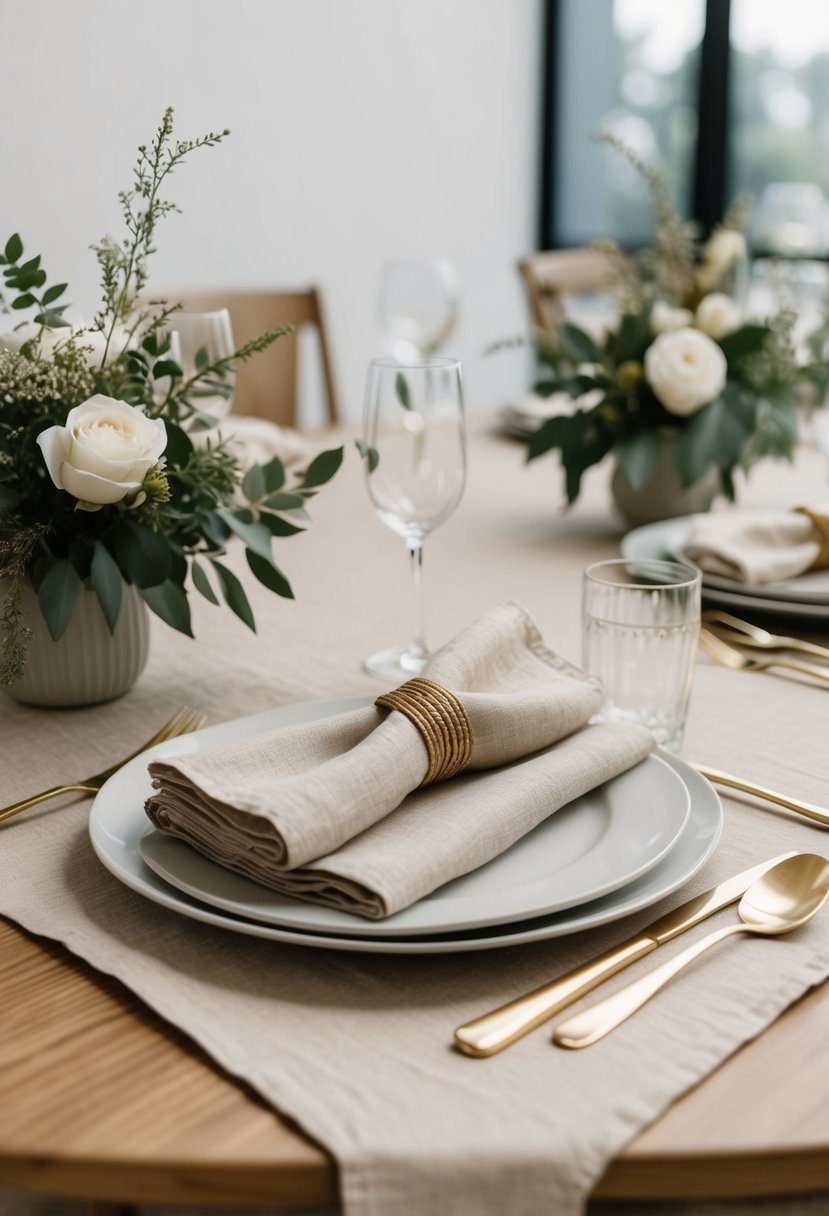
(733, 629)
(784, 898)
(727, 656)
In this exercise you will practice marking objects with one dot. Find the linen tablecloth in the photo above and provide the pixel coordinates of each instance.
(357, 1048)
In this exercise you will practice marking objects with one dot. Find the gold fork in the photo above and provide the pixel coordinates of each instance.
(727, 656)
(182, 722)
(743, 633)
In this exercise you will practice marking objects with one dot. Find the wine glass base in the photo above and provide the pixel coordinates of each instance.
(395, 663)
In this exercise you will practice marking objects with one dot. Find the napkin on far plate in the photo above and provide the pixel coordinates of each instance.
(756, 547)
(330, 810)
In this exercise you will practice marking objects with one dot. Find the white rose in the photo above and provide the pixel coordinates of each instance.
(104, 451)
(686, 370)
(665, 318)
(717, 315)
(723, 248)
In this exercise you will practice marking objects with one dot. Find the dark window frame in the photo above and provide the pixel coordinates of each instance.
(710, 174)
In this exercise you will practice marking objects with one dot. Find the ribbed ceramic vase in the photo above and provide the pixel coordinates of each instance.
(88, 664)
(663, 496)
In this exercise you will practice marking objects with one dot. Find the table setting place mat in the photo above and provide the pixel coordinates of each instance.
(357, 1049)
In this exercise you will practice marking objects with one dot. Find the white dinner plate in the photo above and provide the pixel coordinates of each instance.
(668, 538)
(593, 846)
(115, 838)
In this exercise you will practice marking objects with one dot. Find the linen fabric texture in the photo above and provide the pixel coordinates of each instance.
(330, 811)
(757, 547)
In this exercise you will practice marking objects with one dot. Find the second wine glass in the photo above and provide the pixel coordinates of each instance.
(415, 462)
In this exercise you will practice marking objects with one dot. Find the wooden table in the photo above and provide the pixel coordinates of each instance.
(102, 1100)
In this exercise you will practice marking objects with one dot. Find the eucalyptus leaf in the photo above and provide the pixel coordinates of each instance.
(255, 535)
(58, 595)
(142, 554)
(283, 502)
(274, 472)
(234, 594)
(322, 468)
(269, 575)
(254, 484)
(107, 583)
(277, 525)
(202, 583)
(369, 454)
(576, 344)
(168, 600)
(14, 248)
(638, 457)
(401, 388)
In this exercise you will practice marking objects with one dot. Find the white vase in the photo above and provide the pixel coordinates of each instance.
(88, 663)
(663, 496)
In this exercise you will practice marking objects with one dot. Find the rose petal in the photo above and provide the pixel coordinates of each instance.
(53, 442)
(91, 488)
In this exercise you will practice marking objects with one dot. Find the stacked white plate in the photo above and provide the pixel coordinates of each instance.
(806, 596)
(612, 852)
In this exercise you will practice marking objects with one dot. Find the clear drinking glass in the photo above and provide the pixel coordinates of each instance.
(415, 469)
(418, 305)
(212, 333)
(640, 623)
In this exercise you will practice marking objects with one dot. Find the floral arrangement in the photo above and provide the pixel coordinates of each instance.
(680, 360)
(110, 470)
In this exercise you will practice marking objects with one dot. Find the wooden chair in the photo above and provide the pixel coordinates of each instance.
(550, 275)
(266, 386)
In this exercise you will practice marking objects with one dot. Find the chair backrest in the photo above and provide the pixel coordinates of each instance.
(267, 384)
(551, 275)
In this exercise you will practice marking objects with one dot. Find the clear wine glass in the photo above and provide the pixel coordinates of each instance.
(212, 333)
(418, 306)
(415, 464)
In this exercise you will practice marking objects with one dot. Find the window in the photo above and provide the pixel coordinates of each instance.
(725, 97)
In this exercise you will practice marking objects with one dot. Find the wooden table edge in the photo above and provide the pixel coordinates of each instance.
(306, 1175)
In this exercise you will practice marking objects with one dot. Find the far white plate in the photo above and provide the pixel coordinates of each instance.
(695, 845)
(598, 843)
(667, 539)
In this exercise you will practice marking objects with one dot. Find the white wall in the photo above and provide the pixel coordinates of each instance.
(362, 130)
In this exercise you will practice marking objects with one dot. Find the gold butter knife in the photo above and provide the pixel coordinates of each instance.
(492, 1032)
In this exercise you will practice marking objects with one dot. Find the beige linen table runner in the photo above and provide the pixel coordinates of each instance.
(318, 811)
(356, 1048)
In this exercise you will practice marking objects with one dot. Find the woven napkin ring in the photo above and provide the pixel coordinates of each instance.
(442, 721)
(820, 523)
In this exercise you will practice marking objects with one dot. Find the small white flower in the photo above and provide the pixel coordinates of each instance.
(723, 248)
(686, 370)
(717, 315)
(104, 451)
(665, 318)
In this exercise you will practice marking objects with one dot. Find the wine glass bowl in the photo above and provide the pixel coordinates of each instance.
(415, 466)
(203, 338)
(418, 306)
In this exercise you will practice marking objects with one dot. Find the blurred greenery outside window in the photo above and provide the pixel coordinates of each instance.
(725, 97)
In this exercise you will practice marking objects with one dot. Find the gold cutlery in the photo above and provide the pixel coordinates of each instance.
(727, 656)
(761, 791)
(784, 898)
(492, 1032)
(743, 633)
(182, 722)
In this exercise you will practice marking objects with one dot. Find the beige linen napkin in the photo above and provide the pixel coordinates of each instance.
(757, 547)
(315, 810)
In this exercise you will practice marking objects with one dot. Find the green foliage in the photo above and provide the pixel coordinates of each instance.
(616, 409)
(194, 503)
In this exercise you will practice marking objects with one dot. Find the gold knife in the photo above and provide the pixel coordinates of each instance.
(494, 1031)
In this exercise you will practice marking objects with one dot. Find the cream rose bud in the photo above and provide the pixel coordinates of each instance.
(685, 369)
(665, 318)
(723, 248)
(717, 315)
(104, 451)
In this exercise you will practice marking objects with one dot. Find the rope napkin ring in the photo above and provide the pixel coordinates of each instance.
(820, 523)
(442, 721)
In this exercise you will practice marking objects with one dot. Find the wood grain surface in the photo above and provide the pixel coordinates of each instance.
(103, 1100)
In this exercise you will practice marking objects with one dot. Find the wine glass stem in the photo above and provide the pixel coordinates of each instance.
(417, 646)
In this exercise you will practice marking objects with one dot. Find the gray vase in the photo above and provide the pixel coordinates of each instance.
(663, 496)
(88, 663)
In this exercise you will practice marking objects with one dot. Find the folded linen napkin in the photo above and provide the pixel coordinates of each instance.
(757, 547)
(318, 811)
